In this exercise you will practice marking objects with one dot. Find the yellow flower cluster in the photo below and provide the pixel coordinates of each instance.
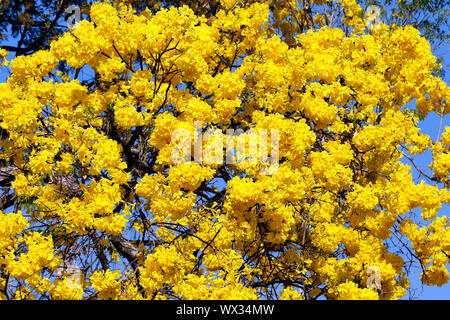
(94, 159)
(164, 266)
(106, 284)
(12, 225)
(29, 265)
(431, 245)
(3, 55)
(441, 157)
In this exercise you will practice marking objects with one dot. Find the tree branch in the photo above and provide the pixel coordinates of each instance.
(308, 14)
(7, 201)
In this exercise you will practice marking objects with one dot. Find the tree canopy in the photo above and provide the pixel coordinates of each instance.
(135, 160)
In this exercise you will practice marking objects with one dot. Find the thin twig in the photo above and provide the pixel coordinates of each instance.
(440, 125)
(417, 168)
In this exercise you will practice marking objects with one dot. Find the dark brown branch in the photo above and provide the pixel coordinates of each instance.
(40, 40)
(99, 250)
(7, 201)
(308, 14)
(71, 185)
(7, 175)
(125, 249)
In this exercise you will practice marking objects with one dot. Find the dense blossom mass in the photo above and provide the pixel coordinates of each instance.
(87, 142)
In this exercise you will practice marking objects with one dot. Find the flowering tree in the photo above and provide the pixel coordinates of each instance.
(96, 203)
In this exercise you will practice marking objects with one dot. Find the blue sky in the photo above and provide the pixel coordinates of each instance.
(430, 126)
